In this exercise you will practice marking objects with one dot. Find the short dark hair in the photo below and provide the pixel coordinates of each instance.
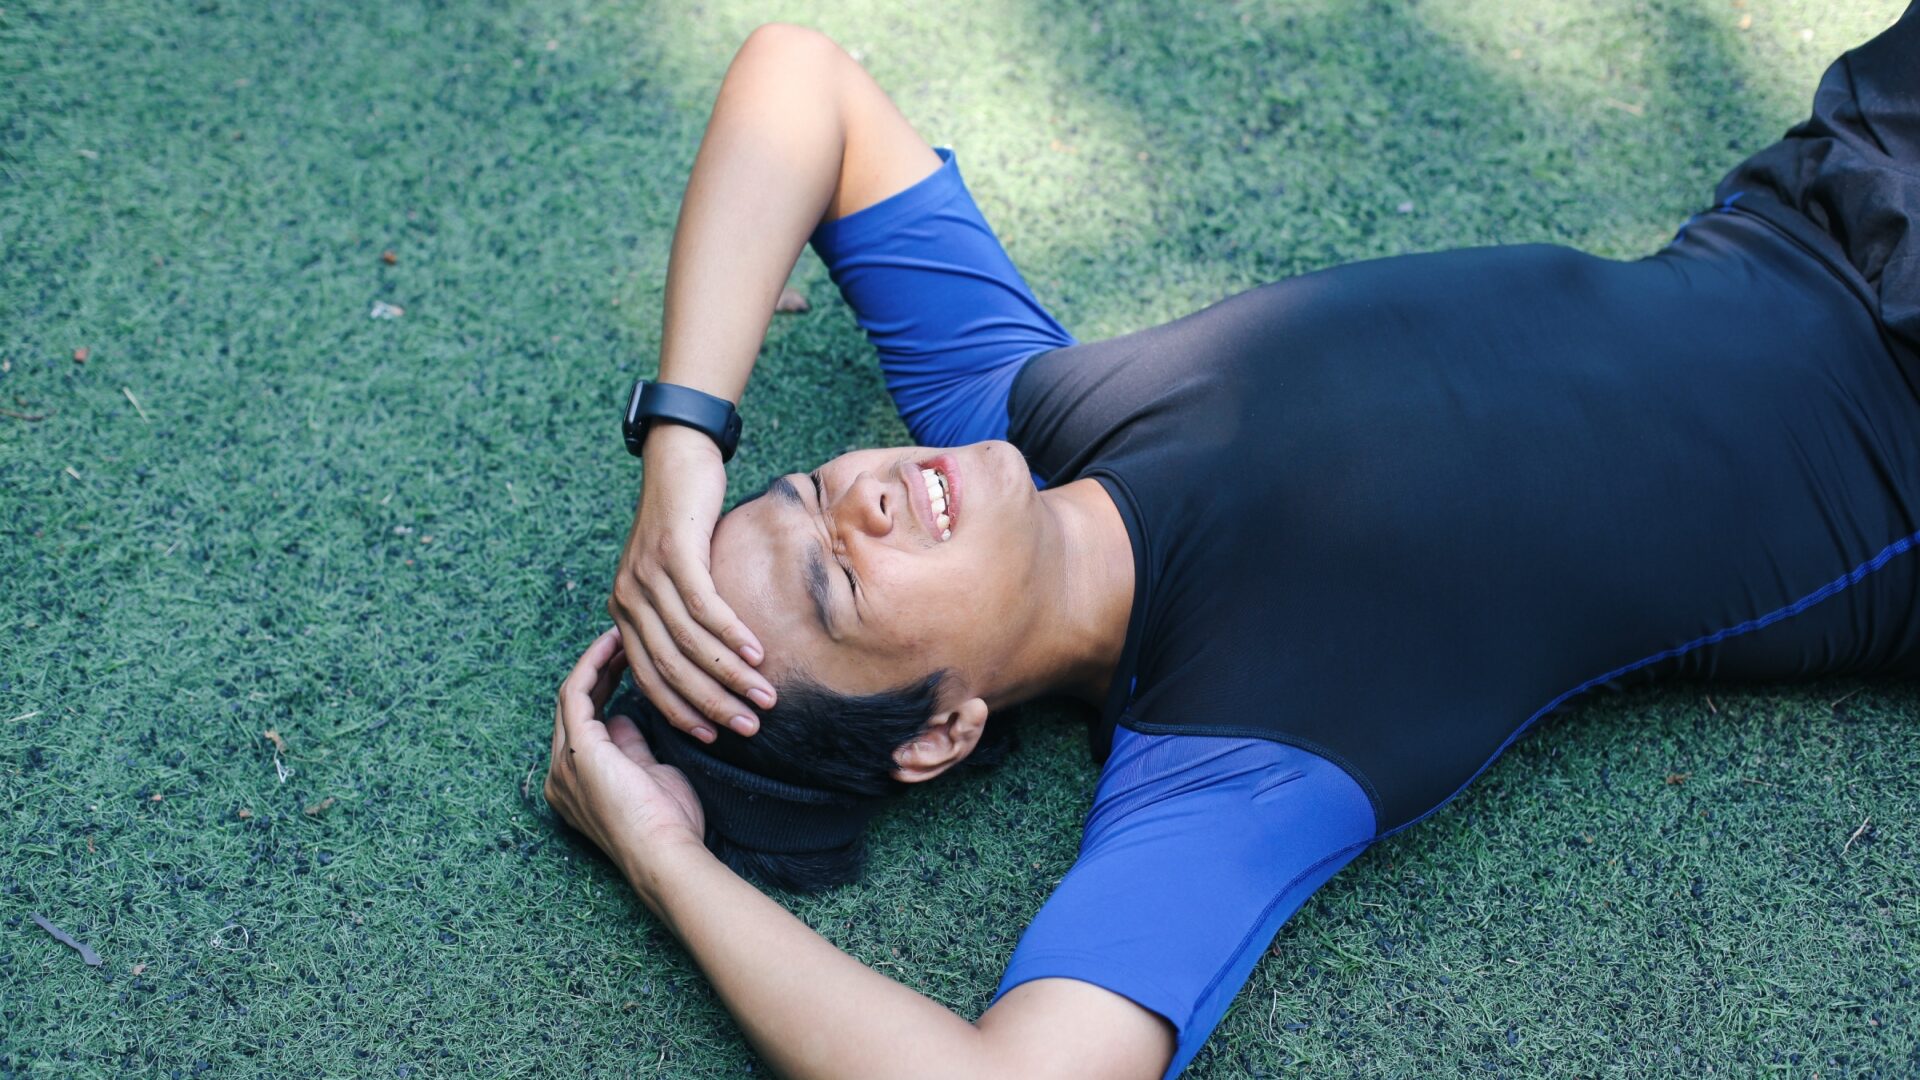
(818, 737)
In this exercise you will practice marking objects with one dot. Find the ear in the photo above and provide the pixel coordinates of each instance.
(945, 742)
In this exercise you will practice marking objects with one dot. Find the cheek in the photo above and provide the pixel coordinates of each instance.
(924, 627)
(926, 618)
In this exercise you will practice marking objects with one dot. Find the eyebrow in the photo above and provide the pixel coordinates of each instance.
(817, 589)
(815, 573)
(783, 488)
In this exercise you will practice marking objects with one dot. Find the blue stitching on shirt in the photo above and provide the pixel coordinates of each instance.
(1887, 554)
(1725, 207)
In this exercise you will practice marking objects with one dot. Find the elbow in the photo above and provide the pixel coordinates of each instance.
(788, 43)
(795, 66)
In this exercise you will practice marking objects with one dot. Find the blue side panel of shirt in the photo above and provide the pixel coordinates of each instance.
(1196, 850)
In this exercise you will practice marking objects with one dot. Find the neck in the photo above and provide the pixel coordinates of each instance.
(1084, 603)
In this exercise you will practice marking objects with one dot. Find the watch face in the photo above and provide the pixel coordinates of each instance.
(633, 431)
(633, 401)
(732, 439)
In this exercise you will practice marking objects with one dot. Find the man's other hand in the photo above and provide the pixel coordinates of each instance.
(603, 779)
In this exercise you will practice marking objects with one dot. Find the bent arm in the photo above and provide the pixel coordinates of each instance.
(813, 1011)
(798, 132)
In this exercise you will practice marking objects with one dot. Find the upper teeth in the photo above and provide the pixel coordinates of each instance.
(937, 495)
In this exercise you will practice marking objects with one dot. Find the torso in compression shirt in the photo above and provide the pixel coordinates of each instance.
(1394, 511)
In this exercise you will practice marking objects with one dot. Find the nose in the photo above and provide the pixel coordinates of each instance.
(866, 506)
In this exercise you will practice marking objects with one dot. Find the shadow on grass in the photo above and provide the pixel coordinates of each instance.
(1278, 140)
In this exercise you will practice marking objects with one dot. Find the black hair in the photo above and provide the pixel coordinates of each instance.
(820, 738)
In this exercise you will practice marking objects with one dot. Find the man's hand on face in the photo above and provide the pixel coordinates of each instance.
(602, 778)
(691, 655)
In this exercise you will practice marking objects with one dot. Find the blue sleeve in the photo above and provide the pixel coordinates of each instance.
(1196, 851)
(940, 300)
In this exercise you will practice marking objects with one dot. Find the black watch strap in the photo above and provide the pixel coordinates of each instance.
(682, 405)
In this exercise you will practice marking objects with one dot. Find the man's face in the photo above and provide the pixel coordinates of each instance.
(843, 572)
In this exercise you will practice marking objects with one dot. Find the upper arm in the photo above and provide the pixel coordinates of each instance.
(1065, 1028)
(951, 318)
(880, 154)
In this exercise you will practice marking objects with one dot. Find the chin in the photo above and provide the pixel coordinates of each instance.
(1005, 460)
(1001, 469)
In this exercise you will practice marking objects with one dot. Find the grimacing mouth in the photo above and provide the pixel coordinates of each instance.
(940, 476)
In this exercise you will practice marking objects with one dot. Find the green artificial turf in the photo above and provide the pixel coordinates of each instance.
(255, 508)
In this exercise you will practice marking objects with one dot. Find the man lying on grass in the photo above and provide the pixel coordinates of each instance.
(1317, 553)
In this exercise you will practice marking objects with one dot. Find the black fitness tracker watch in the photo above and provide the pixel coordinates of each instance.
(685, 406)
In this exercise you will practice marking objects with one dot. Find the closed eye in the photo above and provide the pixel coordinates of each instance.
(820, 500)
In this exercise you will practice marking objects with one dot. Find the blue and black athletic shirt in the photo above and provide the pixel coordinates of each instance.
(1387, 516)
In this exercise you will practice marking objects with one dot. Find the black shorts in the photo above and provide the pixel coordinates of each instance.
(1846, 182)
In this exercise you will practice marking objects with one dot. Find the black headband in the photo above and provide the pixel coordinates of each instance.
(755, 811)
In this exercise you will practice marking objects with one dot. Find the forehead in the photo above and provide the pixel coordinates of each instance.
(766, 566)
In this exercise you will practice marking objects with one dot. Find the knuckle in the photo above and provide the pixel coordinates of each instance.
(662, 547)
(685, 640)
(669, 669)
(696, 603)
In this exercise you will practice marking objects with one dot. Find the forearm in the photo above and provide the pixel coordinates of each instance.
(766, 171)
(808, 1008)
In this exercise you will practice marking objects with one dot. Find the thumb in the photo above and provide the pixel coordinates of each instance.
(626, 735)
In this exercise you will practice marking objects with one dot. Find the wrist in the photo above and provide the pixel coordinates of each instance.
(653, 862)
(667, 441)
